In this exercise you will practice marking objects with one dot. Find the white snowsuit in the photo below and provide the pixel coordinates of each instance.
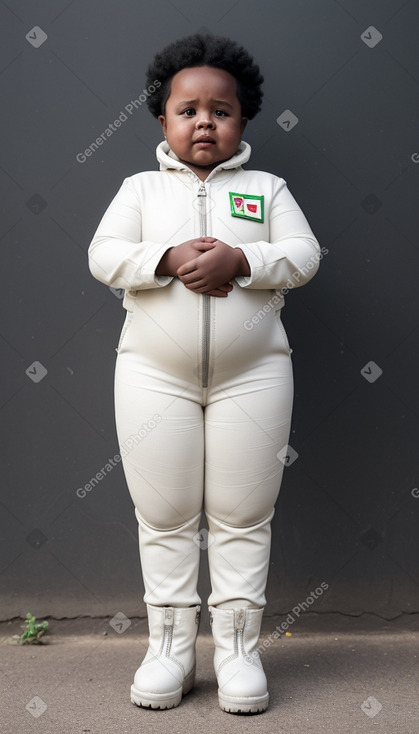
(204, 385)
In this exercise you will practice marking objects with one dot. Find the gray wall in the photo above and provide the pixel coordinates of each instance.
(349, 506)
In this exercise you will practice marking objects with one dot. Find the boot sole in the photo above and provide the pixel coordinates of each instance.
(248, 705)
(168, 700)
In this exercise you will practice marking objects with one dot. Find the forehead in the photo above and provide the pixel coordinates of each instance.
(203, 81)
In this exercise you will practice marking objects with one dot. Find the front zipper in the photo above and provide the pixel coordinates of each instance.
(206, 314)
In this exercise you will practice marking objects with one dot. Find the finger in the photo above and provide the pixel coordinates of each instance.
(188, 267)
(203, 246)
(217, 292)
(200, 287)
(194, 283)
(193, 277)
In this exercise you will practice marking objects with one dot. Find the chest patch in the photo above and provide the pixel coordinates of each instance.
(246, 206)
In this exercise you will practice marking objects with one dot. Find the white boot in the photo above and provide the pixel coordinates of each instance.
(168, 669)
(242, 685)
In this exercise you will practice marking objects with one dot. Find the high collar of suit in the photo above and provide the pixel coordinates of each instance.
(169, 160)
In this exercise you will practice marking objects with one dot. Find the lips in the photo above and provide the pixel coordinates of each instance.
(205, 139)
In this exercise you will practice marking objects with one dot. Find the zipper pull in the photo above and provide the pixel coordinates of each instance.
(239, 619)
(202, 190)
(168, 616)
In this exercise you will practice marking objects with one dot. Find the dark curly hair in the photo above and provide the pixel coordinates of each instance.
(205, 50)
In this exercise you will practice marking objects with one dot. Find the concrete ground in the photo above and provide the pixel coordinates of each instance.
(335, 674)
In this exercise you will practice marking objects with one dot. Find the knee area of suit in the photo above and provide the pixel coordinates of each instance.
(235, 524)
(168, 524)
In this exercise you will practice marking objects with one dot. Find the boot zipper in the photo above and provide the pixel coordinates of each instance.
(239, 647)
(239, 619)
(202, 194)
(241, 651)
(168, 631)
(238, 629)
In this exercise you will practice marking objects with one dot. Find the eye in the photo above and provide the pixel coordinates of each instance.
(220, 113)
(189, 112)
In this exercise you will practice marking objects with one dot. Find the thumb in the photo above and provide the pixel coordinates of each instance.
(204, 244)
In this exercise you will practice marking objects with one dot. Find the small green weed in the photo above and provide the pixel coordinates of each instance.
(32, 633)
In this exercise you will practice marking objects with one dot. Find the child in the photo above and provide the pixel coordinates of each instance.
(203, 383)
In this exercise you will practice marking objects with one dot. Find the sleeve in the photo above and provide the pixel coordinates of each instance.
(117, 256)
(292, 255)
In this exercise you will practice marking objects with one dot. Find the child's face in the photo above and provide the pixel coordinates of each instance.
(203, 102)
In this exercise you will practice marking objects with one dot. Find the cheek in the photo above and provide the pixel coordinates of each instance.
(232, 134)
(233, 128)
(178, 131)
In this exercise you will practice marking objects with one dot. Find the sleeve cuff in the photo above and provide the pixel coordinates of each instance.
(163, 279)
(150, 273)
(245, 280)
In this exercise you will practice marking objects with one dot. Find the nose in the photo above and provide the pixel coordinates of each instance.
(204, 124)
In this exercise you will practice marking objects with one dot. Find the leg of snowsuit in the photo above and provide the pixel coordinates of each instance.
(243, 436)
(164, 472)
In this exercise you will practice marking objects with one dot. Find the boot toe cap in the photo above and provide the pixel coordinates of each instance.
(243, 682)
(158, 676)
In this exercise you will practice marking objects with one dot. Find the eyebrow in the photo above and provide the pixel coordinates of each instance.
(194, 101)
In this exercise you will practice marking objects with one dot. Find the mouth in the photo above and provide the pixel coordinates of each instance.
(204, 141)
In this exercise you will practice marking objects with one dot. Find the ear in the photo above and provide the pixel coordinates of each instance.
(162, 121)
(243, 124)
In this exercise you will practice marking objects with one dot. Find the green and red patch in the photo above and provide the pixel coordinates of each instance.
(246, 206)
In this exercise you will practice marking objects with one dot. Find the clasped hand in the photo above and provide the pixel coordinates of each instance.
(211, 268)
(204, 265)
